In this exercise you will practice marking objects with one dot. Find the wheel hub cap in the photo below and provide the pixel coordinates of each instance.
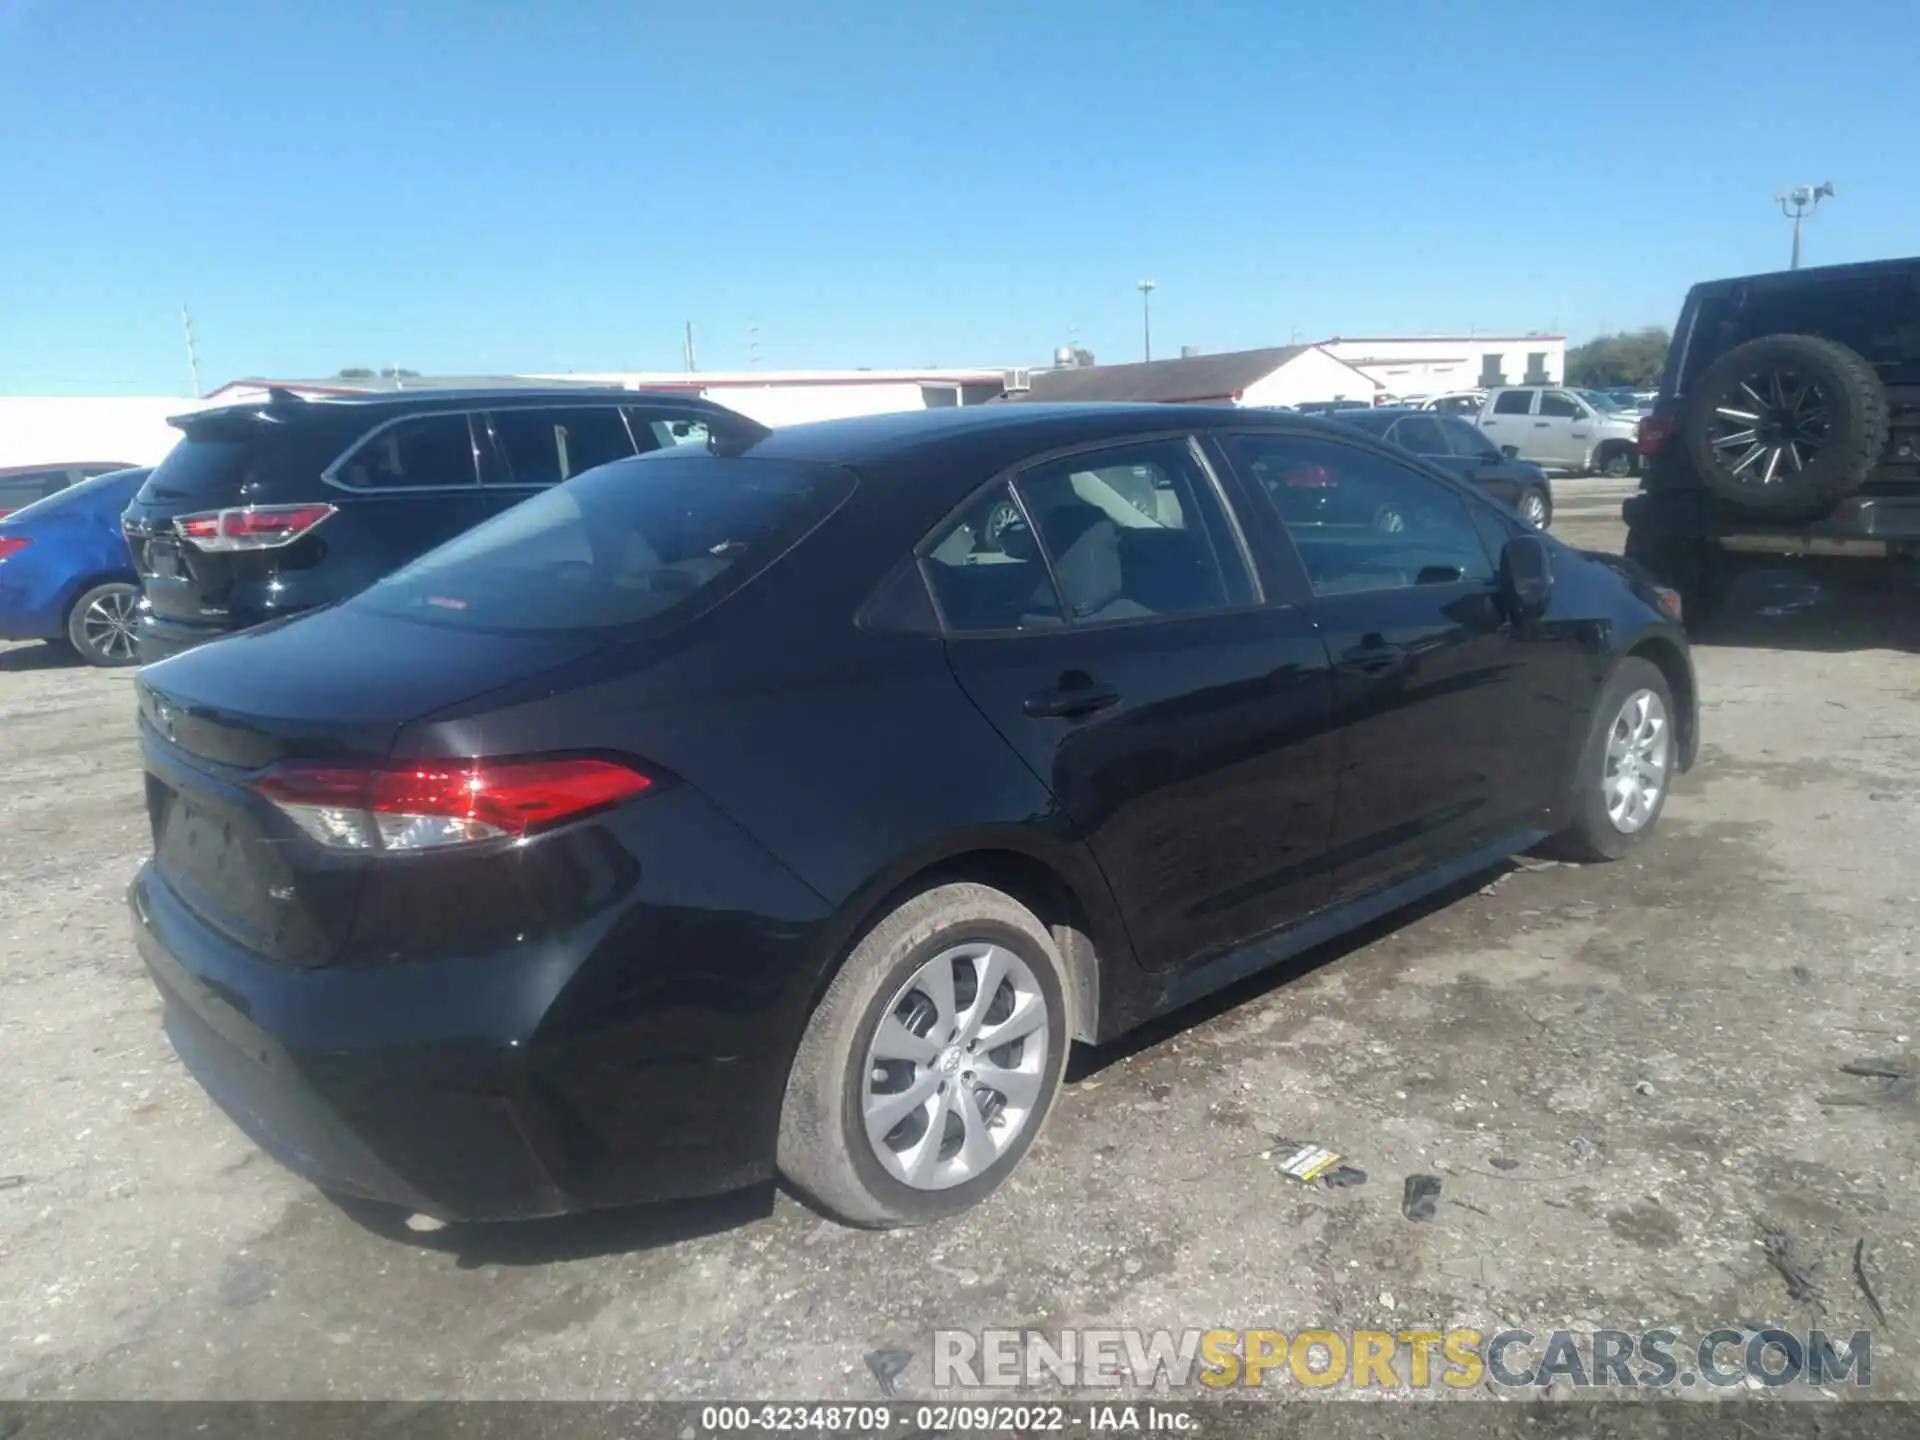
(109, 626)
(1770, 428)
(956, 1067)
(1638, 745)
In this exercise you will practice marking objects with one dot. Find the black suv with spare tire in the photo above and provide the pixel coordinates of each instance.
(1787, 429)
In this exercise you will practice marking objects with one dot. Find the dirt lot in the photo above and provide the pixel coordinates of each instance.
(1616, 1071)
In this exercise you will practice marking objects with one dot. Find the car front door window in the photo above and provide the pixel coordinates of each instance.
(1361, 521)
(1428, 678)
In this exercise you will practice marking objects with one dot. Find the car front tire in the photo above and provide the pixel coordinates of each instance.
(1626, 767)
(931, 1063)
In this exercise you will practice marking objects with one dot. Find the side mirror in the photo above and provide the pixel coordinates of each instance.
(1512, 452)
(1526, 577)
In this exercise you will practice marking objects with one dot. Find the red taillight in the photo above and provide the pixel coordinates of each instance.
(12, 545)
(438, 803)
(1655, 434)
(254, 527)
(1310, 477)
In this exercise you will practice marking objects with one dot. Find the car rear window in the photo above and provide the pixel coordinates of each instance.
(200, 472)
(638, 543)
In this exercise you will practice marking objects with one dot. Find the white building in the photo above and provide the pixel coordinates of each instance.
(87, 430)
(1406, 365)
(1282, 375)
(791, 397)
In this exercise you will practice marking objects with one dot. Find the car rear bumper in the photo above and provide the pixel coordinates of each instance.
(471, 1090)
(1866, 526)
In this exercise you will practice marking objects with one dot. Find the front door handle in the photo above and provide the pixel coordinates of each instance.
(1070, 702)
(1373, 657)
(1541, 424)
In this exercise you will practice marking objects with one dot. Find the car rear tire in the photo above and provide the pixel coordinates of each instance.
(1787, 425)
(901, 1108)
(101, 625)
(1536, 509)
(1625, 769)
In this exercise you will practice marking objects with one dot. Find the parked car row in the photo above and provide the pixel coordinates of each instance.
(792, 801)
(267, 509)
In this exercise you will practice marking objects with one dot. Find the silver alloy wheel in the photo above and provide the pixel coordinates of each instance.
(957, 1066)
(1533, 509)
(1389, 521)
(1636, 770)
(108, 624)
(1772, 426)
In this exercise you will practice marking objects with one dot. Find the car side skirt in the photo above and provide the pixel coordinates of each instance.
(1190, 985)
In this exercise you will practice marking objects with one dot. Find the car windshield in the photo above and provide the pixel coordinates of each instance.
(631, 544)
(1600, 400)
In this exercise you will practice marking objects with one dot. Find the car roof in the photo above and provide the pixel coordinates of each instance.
(1812, 274)
(292, 405)
(995, 436)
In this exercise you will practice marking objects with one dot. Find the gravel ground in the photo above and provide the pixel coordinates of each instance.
(1615, 1071)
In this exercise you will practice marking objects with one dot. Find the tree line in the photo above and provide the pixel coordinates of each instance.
(1629, 357)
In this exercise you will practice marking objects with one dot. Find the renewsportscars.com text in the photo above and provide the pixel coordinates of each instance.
(1413, 1359)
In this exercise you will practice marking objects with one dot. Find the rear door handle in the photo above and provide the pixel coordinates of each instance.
(1374, 659)
(1070, 702)
(1541, 424)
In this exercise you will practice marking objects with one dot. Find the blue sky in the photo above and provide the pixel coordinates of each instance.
(480, 186)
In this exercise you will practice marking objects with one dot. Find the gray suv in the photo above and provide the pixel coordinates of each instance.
(1559, 429)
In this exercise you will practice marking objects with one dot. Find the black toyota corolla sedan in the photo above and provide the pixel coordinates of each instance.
(792, 806)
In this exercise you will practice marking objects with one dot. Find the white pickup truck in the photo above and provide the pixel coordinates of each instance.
(1559, 430)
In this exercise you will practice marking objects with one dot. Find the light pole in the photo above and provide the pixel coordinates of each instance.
(1803, 200)
(1146, 315)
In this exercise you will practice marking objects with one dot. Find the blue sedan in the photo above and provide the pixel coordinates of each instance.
(65, 573)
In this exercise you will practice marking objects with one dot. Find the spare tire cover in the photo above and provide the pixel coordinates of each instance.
(1787, 425)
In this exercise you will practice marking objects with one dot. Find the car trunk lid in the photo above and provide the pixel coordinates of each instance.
(321, 688)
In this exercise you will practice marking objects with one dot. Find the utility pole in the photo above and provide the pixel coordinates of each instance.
(1146, 288)
(692, 361)
(1798, 203)
(193, 353)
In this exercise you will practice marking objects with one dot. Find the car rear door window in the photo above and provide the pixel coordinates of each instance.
(987, 573)
(418, 453)
(546, 446)
(1419, 434)
(1135, 531)
(1360, 520)
(625, 546)
(1514, 402)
